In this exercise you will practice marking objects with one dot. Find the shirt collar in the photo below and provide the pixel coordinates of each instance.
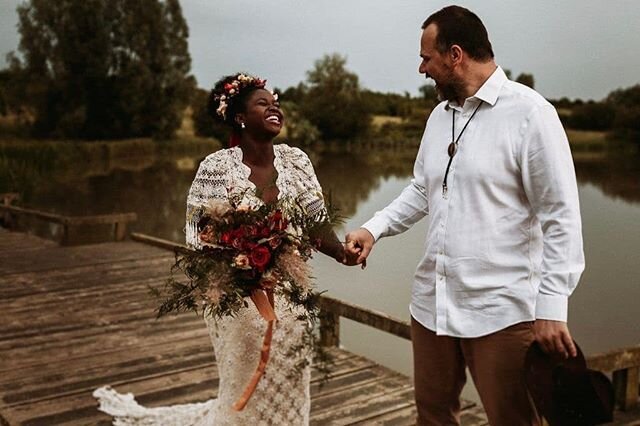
(489, 91)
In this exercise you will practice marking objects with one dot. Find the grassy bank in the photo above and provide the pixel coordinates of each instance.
(26, 163)
(395, 131)
(585, 140)
(55, 150)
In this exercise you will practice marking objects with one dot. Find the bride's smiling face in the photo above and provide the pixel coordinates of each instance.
(262, 114)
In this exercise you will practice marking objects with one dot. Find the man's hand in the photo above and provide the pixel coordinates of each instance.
(554, 337)
(358, 246)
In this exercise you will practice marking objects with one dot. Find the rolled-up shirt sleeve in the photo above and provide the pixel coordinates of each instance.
(549, 181)
(408, 208)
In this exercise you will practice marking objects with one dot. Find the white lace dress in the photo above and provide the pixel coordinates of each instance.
(282, 395)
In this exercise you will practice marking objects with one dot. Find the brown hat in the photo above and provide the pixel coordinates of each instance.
(565, 391)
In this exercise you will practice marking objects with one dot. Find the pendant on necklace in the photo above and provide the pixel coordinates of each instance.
(452, 149)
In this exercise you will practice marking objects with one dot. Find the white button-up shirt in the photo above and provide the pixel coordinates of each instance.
(504, 244)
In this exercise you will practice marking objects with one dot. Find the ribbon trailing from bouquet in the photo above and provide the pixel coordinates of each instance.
(263, 299)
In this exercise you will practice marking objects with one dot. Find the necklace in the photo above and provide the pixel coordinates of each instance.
(452, 149)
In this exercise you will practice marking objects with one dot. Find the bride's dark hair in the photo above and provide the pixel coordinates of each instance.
(235, 102)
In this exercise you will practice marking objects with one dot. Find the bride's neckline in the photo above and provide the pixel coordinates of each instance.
(246, 170)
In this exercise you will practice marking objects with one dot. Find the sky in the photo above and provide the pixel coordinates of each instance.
(574, 48)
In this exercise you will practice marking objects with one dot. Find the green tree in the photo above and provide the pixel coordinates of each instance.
(629, 97)
(333, 100)
(592, 116)
(626, 103)
(428, 92)
(105, 68)
(626, 123)
(204, 125)
(526, 79)
(298, 129)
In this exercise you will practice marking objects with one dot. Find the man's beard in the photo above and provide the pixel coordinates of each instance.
(448, 90)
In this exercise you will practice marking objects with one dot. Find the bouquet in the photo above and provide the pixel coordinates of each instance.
(255, 253)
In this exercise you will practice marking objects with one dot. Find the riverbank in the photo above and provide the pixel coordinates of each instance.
(25, 163)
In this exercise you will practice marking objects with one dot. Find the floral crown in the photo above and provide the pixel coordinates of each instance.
(233, 88)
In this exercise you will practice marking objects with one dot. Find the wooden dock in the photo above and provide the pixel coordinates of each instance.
(74, 318)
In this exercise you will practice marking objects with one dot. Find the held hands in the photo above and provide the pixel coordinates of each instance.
(358, 246)
(554, 337)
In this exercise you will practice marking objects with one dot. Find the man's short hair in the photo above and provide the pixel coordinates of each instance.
(457, 25)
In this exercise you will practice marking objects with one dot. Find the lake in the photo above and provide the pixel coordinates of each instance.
(602, 310)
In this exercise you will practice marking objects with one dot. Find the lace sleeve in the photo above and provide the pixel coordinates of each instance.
(310, 195)
(210, 183)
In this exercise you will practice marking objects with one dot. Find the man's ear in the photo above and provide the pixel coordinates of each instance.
(455, 53)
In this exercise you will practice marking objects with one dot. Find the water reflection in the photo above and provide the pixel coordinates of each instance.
(616, 172)
(350, 177)
(156, 188)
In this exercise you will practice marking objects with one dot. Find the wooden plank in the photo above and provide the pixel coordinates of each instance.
(53, 368)
(617, 359)
(160, 243)
(63, 257)
(84, 277)
(95, 319)
(358, 391)
(10, 240)
(351, 379)
(471, 415)
(51, 217)
(350, 365)
(401, 417)
(96, 341)
(625, 383)
(372, 407)
(51, 383)
(177, 388)
(102, 219)
(377, 320)
(329, 329)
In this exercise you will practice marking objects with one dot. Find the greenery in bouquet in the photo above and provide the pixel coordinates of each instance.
(242, 249)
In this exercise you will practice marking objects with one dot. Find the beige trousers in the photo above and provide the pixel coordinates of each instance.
(496, 363)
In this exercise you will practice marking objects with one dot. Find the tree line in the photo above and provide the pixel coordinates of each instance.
(113, 69)
(99, 69)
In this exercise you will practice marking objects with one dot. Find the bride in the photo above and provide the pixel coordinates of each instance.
(261, 172)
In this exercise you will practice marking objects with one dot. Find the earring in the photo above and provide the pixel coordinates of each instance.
(242, 126)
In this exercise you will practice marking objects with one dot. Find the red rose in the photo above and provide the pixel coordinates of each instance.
(265, 231)
(226, 238)
(275, 242)
(260, 257)
(252, 230)
(237, 238)
(248, 245)
(240, 232)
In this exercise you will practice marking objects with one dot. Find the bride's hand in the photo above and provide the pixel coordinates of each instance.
(358, 246)
(350, 254)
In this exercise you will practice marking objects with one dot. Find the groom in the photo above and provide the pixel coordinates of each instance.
(504, 246)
